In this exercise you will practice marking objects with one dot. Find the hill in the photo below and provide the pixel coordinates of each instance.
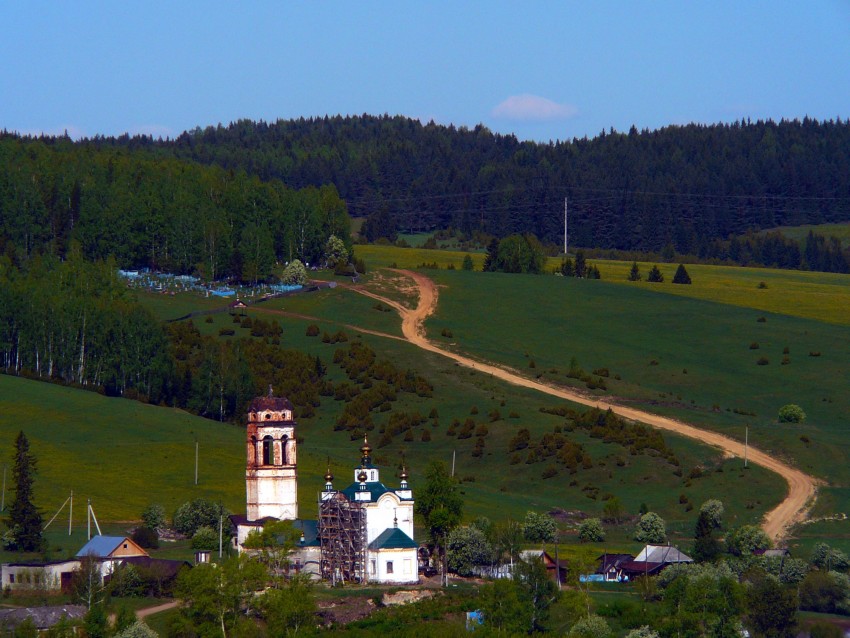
(680, 185)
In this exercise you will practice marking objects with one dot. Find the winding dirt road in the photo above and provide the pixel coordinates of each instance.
(801, 486)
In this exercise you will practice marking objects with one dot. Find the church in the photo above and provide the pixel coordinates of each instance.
(364, 532)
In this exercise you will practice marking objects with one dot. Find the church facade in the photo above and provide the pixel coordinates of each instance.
(364, 532)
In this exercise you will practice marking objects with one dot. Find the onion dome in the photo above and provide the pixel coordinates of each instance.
(328, 476)
(366, 453)
(403, 475)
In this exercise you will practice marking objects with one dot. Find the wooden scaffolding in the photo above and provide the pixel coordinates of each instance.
(342, 537)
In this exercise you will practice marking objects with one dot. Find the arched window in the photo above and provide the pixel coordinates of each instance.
(284, 450)
(252, 451)
(268, 450)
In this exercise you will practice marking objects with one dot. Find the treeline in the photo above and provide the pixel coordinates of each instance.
(157, 212)
(641, 190)
(75, 322)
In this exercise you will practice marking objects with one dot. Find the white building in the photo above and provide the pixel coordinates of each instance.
(364, 532)
(383, 546)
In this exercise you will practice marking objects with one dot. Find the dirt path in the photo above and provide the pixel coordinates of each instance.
(149, 611)
(801, 487)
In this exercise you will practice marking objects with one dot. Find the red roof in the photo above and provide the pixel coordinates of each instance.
(276, 404)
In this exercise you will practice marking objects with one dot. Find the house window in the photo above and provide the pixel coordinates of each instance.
(372, 567)
(11, 578)
(389, 567)
(125, 545)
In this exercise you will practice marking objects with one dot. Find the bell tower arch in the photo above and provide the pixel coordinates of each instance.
(271, 474)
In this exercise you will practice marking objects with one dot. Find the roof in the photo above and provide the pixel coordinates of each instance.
(638, 568)
(662, 554)
(310, 531)
(276, 404)
(43, 617)
(609, 561)
(393, 538)
(102, 546)
(375, 488)
(241, 519)
(161, 566)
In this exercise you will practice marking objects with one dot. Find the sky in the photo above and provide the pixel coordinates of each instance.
(536, 69)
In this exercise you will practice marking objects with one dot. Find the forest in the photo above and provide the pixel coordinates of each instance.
(159, 213)
(640, 190)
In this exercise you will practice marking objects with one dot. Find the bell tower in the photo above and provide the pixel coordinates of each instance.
(271, 477)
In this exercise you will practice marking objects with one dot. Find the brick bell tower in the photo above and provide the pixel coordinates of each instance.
(271, 476)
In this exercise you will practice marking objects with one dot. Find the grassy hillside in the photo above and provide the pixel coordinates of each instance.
(811, 295)
(799, 233)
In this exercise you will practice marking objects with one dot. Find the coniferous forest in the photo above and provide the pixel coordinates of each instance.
(641, 190)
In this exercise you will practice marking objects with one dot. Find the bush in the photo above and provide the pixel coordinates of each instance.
(226, 332)
(591, 531)
(651, 529)
(312, 330)
(754, 345)
(294, 274)
(539, 528)
(205, 538)
(590, 627)
(153, 517)
(762, 361)
(195, 514)
(791, 414)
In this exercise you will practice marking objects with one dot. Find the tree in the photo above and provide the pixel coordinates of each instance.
(25, 520)
(592, 626)
(520, 254)
(290, 608)
(440, 506)
(507, 537)
(580, 265)
(644, 631)
(335, 251)
(706, 546)
(634, 273)
(502, 608)
(96, 622)
(137, 630)
(539, 528)
(713, 509)
(613, 510)
(200, 512)
(772, 609)
(205, 538)
(681, 276)
(87, 582)
(274, 545)
(651, 529)
(791, 414)
(825, 557)
(655, 275)
(153, 517)
(467, 548)
(591, 531)
(746, 539)
(467, 262)
(536, 590)
(295, 274)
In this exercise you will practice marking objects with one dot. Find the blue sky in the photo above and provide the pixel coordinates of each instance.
(541, 70)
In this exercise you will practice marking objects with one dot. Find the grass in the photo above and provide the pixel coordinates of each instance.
(799, 233)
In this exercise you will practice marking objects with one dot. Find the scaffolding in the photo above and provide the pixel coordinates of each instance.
(342, 537)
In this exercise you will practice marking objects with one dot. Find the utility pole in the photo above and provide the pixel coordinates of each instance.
(71, 513)
(565, 226)
(3, 502)
(746, 443)
(196, 461)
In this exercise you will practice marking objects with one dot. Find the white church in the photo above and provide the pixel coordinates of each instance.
(364, 532)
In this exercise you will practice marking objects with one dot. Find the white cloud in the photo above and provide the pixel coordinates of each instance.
(533, 107)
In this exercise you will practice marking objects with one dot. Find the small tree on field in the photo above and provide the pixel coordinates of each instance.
(539, 528)
(634, 273)
(655, 275)
(295, 274)
(24, 519)
(335, 251)
(651, 529)
(467, 263)
(791, 414)
(681, 276)
(591, 531)
(613, 510)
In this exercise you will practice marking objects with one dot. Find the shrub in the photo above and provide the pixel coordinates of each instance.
(205, 538)
(762, 361)
(195, 514)
(539, 528)
(295, 274)
(312, 330)
(591, 531)
(550, 471)
(226, 332)
(791, 414)
(153, 517)
(762, 285)
(754, 345)
(814, 353)
(651, 529)
(762, 319)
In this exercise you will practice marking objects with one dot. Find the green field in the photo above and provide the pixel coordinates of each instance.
(125, 455)
(799, 233)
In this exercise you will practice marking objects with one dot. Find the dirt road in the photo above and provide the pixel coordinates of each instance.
(801, 487)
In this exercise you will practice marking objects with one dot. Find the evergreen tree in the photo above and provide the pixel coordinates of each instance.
(467, 262)
(655, 275)
(581, 265)
(24, 519)
(681, 276)
(706, 546)
(634, 273)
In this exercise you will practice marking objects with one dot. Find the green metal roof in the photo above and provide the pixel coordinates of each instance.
(393, 538)
(375, 488)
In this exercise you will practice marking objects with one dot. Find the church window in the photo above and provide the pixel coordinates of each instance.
(284, 449)
(371, 567)
(268, 450)
(389, 567)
